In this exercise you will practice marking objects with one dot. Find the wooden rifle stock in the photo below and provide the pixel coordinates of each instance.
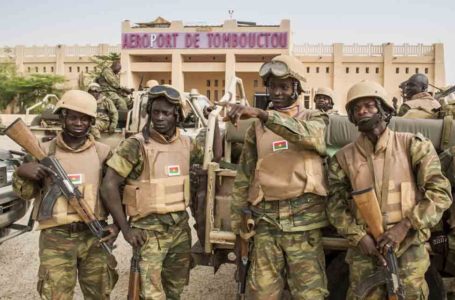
(134, 285)
(19, 132)
(368, 206)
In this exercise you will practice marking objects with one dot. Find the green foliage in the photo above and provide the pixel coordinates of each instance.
(26, 89)
(102, 62)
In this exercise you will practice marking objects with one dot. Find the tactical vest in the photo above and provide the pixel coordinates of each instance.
(85, 170)
(422, 106)
(402, 193)
(163, 185)
(284, 170)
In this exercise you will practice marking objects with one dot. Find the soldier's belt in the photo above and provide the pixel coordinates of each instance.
(76, 227)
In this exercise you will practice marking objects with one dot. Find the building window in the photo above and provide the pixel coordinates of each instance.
(406, 70)
(397, 70)
(306, 100)
(347, 70)
(224, 83)
(70, 69)
(367, 70)
(327, 70)
(169, 81)
(317, 69)
(86, 69)
(162, 81)
(36, 69)
(208, 94)
(255, 83)
(377, 70)
(208, 83)
(78, 69)
(215, 83)
(357, 70)
(308, 69)
(216, 95)
(52, 69)
(426, 70)
(44, 70)
(417, 70)
(29, 70)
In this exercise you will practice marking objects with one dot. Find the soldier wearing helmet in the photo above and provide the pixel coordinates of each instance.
(419, 104)
(106, 113)
(67, 246)
(323, 98)
(110, 86)
(413, 200)
(154, 166)
(275, 181)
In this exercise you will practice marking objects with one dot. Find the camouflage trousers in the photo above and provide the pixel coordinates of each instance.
(120, 102)
(66, 256)
(165, 262)
(100, 126)
(413, 264)
(293, 258)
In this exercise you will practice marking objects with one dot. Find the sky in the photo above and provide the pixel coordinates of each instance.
(51, 22)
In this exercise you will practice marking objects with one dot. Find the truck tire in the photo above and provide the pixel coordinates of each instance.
(338, 277)
(435, 284)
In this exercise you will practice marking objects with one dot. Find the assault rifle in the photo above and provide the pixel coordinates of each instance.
(134, 285)
(368, 206)
(246, 232)
(62, 185)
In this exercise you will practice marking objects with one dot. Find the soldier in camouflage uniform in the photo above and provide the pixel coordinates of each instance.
(323, 98)
(419, 103)
(417, 196)
(154, 164)
(106, 113)
(281, 178)
(67, 248)
(111, 88)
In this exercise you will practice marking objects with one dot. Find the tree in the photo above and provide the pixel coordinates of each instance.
(102, 62)
(26, 90)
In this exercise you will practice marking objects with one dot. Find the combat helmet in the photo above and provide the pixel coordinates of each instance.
(367, 88)
(284, 66)
(94, 87)
(171, 94)
(79, 101)
(151, 83)
(326, 92)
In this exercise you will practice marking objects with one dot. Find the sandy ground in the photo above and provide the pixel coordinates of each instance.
(19, 267)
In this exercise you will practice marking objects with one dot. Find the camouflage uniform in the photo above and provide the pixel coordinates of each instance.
(166, 254)
(413, 258)
(110, 86)
(287, 245)
(424, 108)
(65, 251)
(106, 117)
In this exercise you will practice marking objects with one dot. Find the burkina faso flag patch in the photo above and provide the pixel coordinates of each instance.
(280, 145)
(76, 179)
(173, 170)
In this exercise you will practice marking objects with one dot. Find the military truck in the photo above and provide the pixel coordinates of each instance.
(211, 202)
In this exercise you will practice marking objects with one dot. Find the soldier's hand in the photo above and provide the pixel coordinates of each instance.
(135, 237)
(367, 246)
(112, 231)
(394, 236)
(240, 112)
(32, 171)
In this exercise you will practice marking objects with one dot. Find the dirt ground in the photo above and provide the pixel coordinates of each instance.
(19, 267)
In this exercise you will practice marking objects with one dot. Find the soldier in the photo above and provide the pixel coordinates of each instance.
(151, 83)
(323, 98)
(419, 103)
(281, 179)
(111, 88)
(67, 248)
(106, 113)
(155, 164)
(413, 201)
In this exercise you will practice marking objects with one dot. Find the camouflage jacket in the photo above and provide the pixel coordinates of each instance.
(106, 113)
(109, 82)
(128, 162)
(425, 214)
(288, 215)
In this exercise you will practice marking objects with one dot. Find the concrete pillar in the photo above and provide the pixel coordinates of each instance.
(177, 72)
(19, 53)
(126, 76)
(229, 72)
(388, 69)
(337, 75)
(439, 69)
(60, 60)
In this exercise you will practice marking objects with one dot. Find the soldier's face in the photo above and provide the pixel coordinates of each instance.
(412, 87)
(365, 108)
(164, 117)
(323, 102)
(281, 91)
(76, 124)
(95, 93)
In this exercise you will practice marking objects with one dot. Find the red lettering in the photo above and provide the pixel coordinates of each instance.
(125, 43)
(226, 40)
(160, 40)
(274, 40)
(267, 35)
(259, 40)
(210, 36)
(217, 40)
(284, 40)
(242, 40)
(252, 40)
(196, 40)
(174, 39)
(234, 40)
